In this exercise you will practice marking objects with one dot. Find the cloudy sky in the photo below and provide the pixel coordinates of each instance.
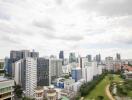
(83, 26)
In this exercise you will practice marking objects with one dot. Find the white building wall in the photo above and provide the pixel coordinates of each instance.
(31, 76)
(17, 71)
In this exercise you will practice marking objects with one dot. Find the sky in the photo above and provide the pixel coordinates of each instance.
(81, 26)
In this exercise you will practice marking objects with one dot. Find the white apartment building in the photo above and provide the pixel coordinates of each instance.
(31, 76)
(109, 63)
(25, 74)
(90, 70)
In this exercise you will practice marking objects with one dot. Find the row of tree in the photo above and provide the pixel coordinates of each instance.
(88, 86)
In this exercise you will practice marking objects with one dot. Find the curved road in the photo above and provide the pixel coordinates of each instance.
(108, 93)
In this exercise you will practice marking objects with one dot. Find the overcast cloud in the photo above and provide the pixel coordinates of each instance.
(83, 26)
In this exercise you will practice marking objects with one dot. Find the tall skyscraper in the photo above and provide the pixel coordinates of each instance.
(34, 54)
(72, 57)
(61, 56)
(43, 72)
(98, 58)
(89, 57)
(17, 55)
(25, 74)
(31, 76)
(118, 56)
(48, 70)
(8, 67)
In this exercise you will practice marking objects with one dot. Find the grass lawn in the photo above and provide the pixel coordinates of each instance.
(99, 90)
(117, 78)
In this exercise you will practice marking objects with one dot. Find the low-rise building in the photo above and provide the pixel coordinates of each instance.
(6, 89)
(39, 93)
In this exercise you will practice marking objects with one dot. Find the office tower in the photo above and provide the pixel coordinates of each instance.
(109, 63)
(89, 57)
(17, 55)
(76, 74)
(2, 72)
(118, 56)
(25, 53)
(6, 89)
(8, 67)
(43, 72)
(79, 61)
(56, 68)
(61, 56)
(25, 74)
(34, 54)
(83, 61)
(48, 70)
(98, 58)
(72, 57)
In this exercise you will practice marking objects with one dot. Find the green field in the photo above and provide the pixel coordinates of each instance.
(99, 90)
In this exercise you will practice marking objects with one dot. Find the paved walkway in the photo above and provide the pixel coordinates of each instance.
(82, 98)
(108, 93)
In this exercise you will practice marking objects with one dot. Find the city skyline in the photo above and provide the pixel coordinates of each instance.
(80, 26)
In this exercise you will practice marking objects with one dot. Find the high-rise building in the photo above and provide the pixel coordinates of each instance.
(118, 56)
(31, 76)
(43, 72)
(89, 71)
(61, 56)
(72, 57)
(8, 67)
(98, 58)
(76, 74)
(17, 55)
(48, 70)
(89, 57)
(56, 68)
(34, 54)
(109, 63)
(25, 74)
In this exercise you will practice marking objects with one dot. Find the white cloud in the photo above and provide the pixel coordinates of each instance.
(83, 26)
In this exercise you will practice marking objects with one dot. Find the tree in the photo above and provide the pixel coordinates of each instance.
(100, 98)
(121, 91)
(27, 98)
(18, 91)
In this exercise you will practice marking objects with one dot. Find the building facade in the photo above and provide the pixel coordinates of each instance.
(72, 57)
(76, 74)
(89, 57)
(6, 89)
(61, 56)
(25, 74)
(43, 72)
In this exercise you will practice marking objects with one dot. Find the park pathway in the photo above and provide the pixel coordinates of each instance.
(108, 93)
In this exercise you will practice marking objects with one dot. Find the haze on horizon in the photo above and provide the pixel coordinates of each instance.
(82, 26)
